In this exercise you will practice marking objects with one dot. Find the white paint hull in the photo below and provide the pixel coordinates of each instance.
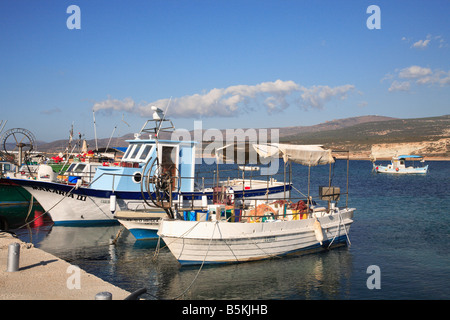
(73, 209)
(67, 205)
(195, 242)
(400, 169)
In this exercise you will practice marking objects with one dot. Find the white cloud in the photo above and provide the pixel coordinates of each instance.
(399, 86)
(427, 42)
(126, 104)
(229, 102)
(414, 72)
(421, 44)
(404, 78)
(317, 96)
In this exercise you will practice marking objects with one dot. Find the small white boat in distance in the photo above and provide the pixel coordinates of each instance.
(398, 166)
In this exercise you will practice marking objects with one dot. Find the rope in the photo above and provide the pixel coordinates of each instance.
(299, 191)
(201, 266)
(68, 193)
(339, 228)
(30, 207)
(157, 249)
(104, 213)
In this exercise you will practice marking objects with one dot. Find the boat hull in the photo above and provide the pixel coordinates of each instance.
(69, 205)
(142, 225)
(410, 170)
(210, 242)
(15, 206)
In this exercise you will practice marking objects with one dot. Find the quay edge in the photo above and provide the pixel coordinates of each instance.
(43, 276)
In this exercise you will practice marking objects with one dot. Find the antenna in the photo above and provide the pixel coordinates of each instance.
(107, 147)
(95, 130)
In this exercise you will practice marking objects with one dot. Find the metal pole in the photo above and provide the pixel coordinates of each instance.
(348, 163)
(13, 257)
(290, 179)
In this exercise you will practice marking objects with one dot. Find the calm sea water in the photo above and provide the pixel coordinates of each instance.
(402, 225)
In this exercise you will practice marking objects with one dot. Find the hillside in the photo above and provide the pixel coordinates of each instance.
(332, 125)
(430, 134)
(356, 134)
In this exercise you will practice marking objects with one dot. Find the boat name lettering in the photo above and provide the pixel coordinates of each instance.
(61, 192)
(270, 239)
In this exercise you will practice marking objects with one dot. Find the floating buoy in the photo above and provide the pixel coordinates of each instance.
(112, 203)
(318, 231)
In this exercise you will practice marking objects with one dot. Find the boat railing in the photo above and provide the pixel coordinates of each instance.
(254, 210)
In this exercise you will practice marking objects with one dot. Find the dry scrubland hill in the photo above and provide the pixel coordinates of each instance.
(431, 136)
(357, 134)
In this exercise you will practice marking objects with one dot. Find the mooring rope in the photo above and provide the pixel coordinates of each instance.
(338, 229)
(201, 266)
(68, 193)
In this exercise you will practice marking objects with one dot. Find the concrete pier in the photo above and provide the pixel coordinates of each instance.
(42, 276)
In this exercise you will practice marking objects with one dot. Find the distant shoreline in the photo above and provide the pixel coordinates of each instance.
(365, 158)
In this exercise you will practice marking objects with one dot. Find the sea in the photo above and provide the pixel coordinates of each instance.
(398, 249)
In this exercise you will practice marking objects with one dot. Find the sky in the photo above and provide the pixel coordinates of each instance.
(228, 64)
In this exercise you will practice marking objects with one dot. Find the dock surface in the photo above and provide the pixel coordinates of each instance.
(43, 276)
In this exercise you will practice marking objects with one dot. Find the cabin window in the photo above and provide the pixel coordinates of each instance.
(71, 167)
(79, 168)
(128, 151)
(145, 152)
(135, 152)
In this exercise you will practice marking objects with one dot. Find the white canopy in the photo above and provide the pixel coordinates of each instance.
(307, 155)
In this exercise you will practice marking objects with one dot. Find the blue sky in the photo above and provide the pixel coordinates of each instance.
(231, 64)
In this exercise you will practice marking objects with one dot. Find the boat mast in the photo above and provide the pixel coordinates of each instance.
(95, 130)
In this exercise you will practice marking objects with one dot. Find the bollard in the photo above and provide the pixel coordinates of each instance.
(13, 257)
(103, 296)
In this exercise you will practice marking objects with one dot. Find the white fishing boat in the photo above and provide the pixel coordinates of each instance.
(122, 186)
(398, 165)
(266, 230)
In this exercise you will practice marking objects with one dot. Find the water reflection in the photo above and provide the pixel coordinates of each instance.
(134, 264)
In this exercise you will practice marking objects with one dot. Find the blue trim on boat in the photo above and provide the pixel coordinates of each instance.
(144, 234)
(63, 189)
(85, 223)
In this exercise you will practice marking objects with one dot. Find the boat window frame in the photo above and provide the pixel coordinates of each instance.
(141, 153)
(135, 152)
(79, 165)
(70, 168)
